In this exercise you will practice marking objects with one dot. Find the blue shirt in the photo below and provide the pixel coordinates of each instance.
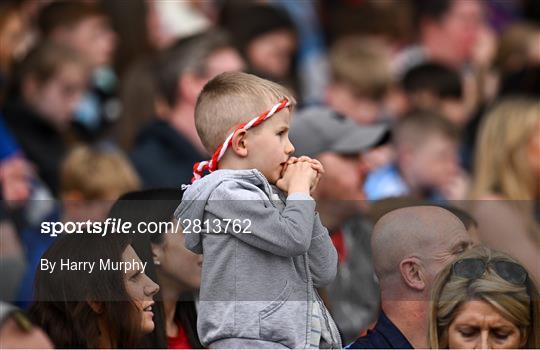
(8, 146)
(385, 182)
(385, 335)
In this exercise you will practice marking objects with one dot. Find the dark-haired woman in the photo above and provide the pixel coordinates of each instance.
(84, 297)
(178, 270)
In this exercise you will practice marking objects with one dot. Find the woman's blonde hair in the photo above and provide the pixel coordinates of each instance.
(501, 163)
(517, 303)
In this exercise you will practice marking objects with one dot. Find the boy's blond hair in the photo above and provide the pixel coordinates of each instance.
(95, 173)
(363, 64)
(230, 99)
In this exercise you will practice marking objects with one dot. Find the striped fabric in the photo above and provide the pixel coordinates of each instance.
(316, 326)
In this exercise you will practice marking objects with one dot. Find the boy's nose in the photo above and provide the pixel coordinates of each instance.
(289, 149)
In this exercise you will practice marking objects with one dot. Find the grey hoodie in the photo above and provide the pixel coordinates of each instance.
(257, 285)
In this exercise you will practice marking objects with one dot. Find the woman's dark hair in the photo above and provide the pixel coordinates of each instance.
(62, 300)
(158, 206)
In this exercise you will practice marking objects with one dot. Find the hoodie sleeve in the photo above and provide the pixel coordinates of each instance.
(322, 255)
(287, 233)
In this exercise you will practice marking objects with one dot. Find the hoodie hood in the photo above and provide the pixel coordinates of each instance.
(196, 197)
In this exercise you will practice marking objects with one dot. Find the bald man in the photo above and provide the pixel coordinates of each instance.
(410, 246)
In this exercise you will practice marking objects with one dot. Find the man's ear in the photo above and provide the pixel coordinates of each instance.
(412, 273)
(239, 143)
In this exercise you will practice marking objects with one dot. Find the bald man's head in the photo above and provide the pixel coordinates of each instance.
(428, 233)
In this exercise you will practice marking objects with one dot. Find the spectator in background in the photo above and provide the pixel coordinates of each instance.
(506, 183)
(517, 61)
(434, 86)
(360, 77)
(360, 94)
(518, 48)
(426, 166)
(484, 300)
(266, 38)
(453, 33)
(410, 246)
(176, 269)
(108, 308)
(84, 27)
(449, 31)
(90, 180)
(52, 82)
(339, 145)
(311, 61)
(167, 148)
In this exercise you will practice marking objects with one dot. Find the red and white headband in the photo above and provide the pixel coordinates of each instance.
(212, 164)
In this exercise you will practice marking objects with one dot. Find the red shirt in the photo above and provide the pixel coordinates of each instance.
(338, 239)
(180, 341)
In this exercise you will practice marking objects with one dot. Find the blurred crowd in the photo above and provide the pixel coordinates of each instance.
(97, 101)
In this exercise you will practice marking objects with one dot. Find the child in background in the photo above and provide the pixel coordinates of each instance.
(360, 78)
(427, 163)
(260, 271)
(92, 179)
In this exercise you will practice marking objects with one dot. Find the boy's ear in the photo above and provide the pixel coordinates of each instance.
(239, 143)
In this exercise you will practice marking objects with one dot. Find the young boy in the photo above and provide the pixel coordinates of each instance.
(359, 93)
(427, 163)
(264, 253)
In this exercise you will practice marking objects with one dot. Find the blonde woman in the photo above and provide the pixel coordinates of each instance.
(506, 183)
(484, 299)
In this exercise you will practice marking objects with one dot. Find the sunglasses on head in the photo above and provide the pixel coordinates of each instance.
(474, 268)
